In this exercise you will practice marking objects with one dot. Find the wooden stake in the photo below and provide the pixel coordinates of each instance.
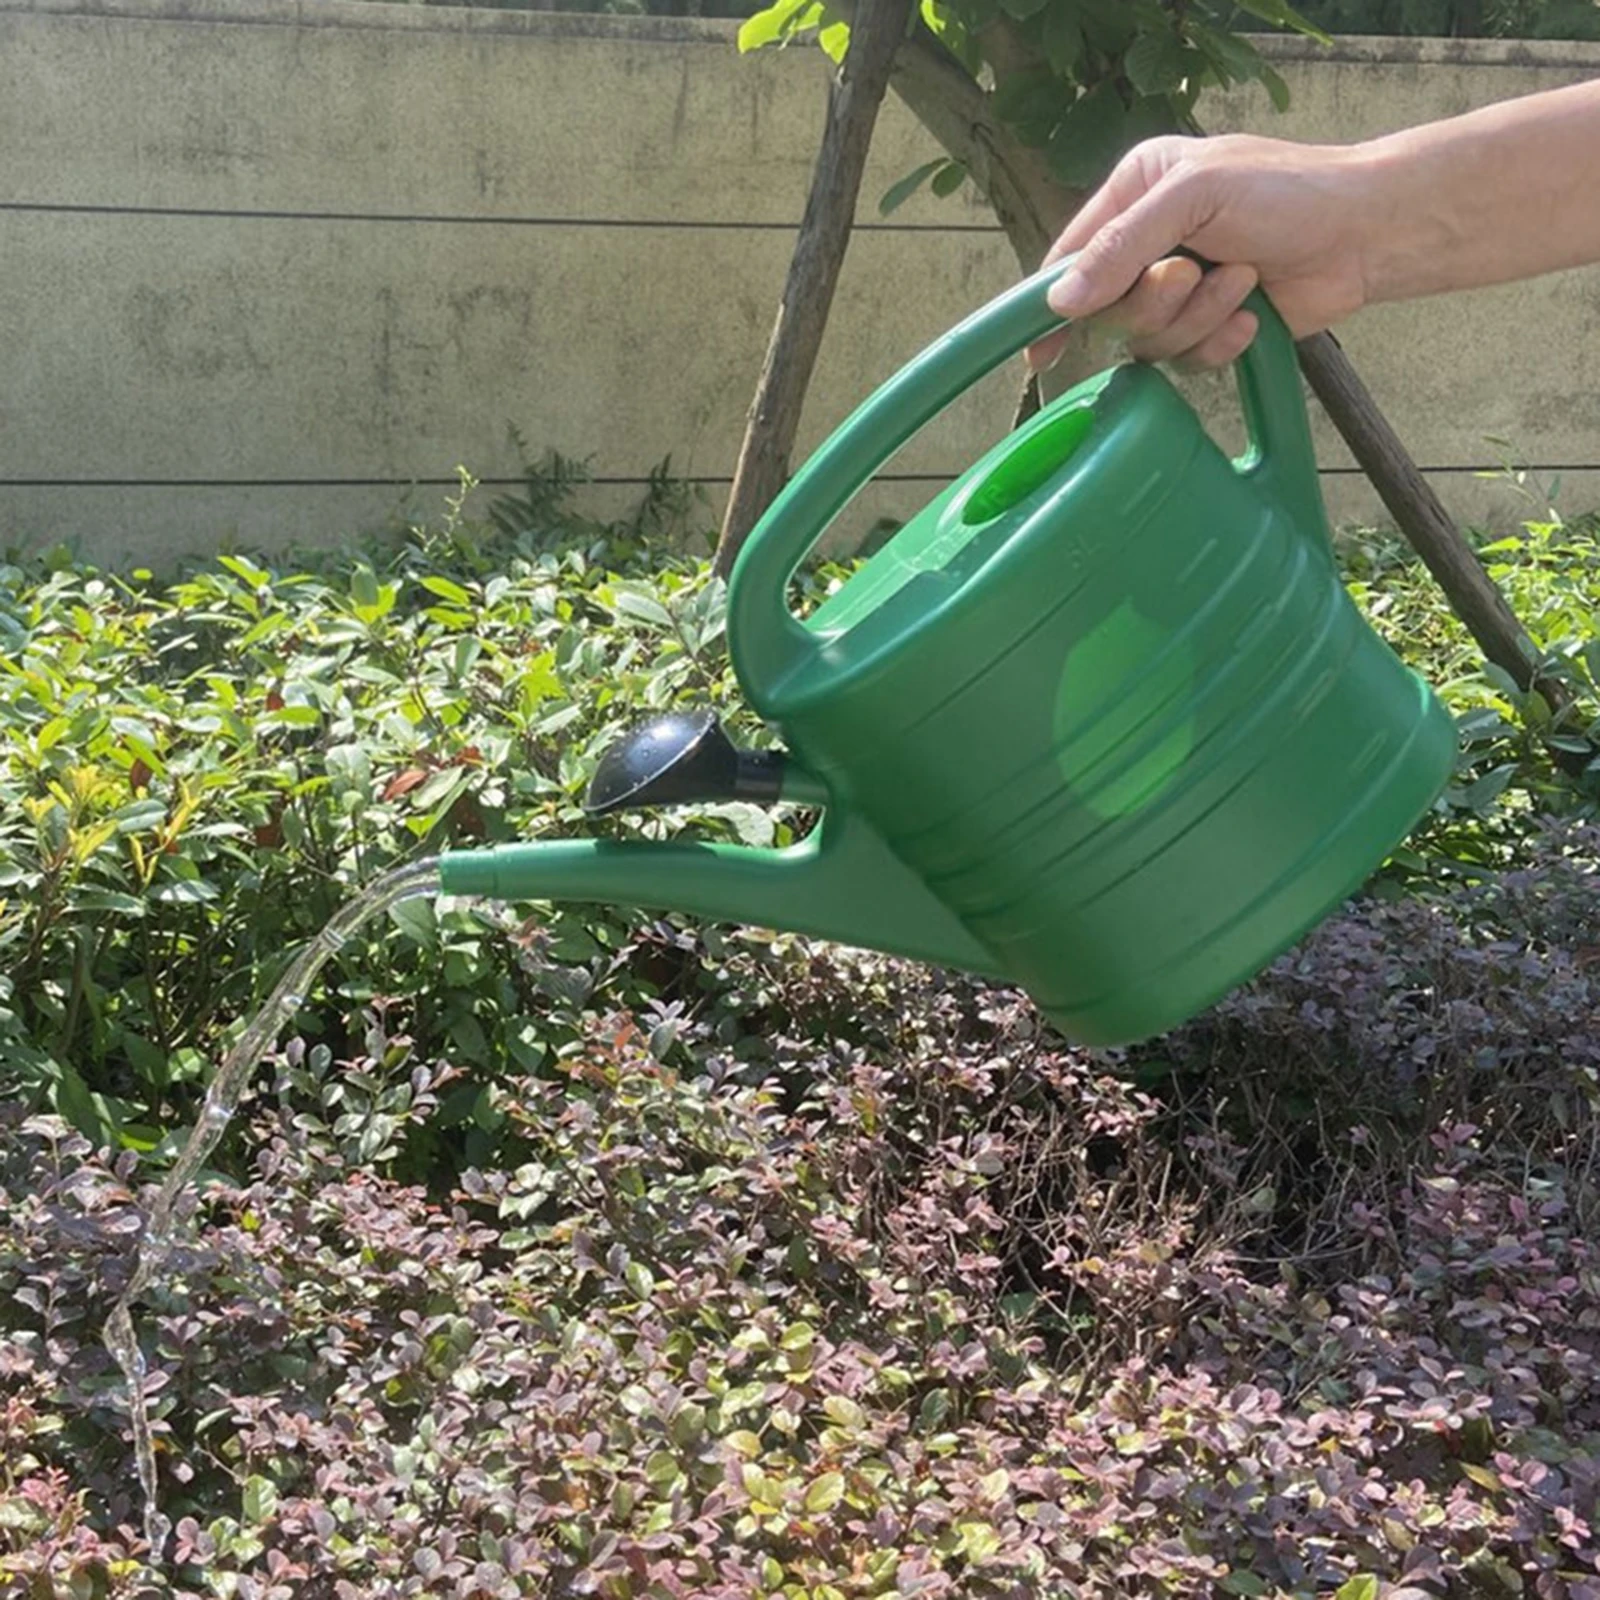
(876, 31)
(1416, 509)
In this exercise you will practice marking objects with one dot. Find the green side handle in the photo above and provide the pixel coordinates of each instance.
(767, 641)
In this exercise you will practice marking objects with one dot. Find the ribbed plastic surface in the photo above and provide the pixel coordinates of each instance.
(1107, 697)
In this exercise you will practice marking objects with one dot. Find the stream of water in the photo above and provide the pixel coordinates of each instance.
(222, 1098)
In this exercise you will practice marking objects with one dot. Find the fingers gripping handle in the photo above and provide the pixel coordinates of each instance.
(766, 639)
(1268, 375)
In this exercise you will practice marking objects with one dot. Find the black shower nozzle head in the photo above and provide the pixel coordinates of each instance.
(678, 758)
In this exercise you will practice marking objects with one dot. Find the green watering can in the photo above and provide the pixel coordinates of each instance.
(1100, 721)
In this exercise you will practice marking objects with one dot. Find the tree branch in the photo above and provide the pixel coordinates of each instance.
(1017, 182)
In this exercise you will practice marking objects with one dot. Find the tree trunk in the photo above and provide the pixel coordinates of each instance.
(877, 30)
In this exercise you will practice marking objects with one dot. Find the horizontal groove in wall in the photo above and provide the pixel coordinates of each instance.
(623, 482)
(50, 208)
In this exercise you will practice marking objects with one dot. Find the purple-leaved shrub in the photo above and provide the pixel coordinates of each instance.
(835, 1277)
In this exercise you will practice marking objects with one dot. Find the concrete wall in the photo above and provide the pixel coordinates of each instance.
(269, 266)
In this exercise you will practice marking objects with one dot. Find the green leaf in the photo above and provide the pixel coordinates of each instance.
(1591, 659)
(844, 1412)
(78, 1104)
(184, 892)
(1098, 129)
(776, 25)
(416, 919)
(52, 732)
(292, 717)
(523, 1041)
(113, 900)
(825, 1492)
(570, 941)
(1243, 1583)
(1284, 15)
(1277, 89)
(949, 27)
(240, 567)
(898, 193)
(1110, 25)
(1480, 796)
(979, 1540)
(1063, 41)
(364, 586)
(1156, 63)
(147, 1059)
(140, 815)
(1232, 58)
(260, 1499)
(1023, 9)
(760, 1488)
(630, 603)
(835, 41)
(1019, 1304)
(446, 590)
(1501, 679)
(949, 179)
(440, 789)
(1033, 95)
(1361, 1587)
(467, 1034)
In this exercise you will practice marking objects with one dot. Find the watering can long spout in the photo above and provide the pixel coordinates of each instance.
(842, 883)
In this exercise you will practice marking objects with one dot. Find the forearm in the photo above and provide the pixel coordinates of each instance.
(1507, 192)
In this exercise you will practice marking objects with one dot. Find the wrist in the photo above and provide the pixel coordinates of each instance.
(1402, 230)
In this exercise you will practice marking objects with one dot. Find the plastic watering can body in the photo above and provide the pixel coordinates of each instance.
(1101, 719)
(1106, 697)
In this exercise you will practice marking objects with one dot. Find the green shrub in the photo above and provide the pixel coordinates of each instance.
(893, 1296)
(1518, 761)
(193, 775)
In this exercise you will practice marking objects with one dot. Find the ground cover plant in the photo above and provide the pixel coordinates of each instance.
(594, 1254)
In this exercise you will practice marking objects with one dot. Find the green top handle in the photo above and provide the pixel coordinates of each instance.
(768, 641)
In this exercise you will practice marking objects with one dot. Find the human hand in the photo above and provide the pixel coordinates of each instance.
(1295, 219)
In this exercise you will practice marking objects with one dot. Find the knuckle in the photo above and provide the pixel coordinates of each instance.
(1168, 149)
